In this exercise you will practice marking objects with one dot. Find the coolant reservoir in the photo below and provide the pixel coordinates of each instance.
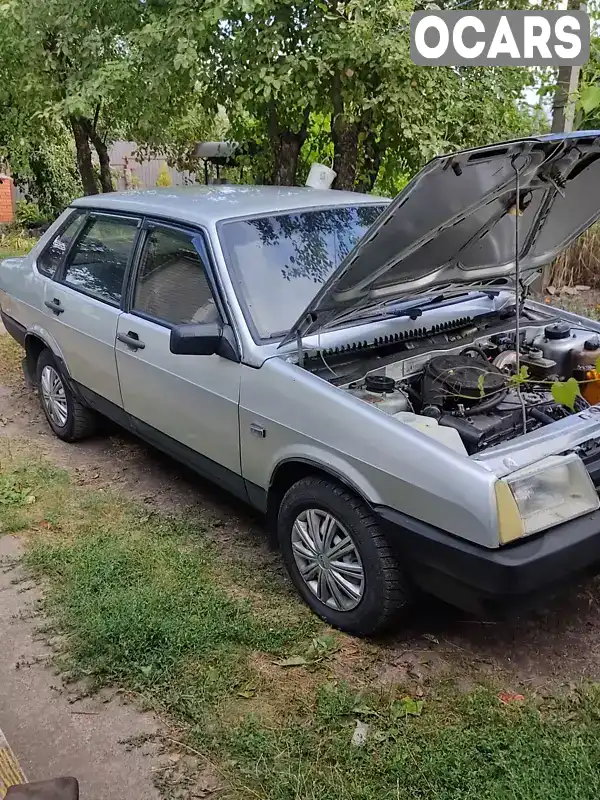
(381, 392)
(429, 426)
(586, 354)
(585, 357)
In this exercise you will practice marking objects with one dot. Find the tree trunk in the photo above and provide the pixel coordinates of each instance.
(286, 145)
(373, 150)
(345, 134)
(84, 156)
(103, 157)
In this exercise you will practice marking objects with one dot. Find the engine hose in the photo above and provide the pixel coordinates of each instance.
(414, 396)
(475, 348)
(541, 416)
(489, 403)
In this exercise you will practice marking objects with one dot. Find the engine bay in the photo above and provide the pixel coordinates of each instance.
(470, 397)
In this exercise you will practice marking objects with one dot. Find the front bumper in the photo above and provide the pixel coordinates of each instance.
(483, 580)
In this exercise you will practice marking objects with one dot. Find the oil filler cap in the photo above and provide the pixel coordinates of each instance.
(559, 330)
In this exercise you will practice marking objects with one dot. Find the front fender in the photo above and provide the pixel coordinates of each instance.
(287, 413)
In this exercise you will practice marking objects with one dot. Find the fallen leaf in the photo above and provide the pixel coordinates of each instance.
(359, 737)
(551, 290)
(407, 707)
(174, 758)
(293, 661)
(510, 697)
(581, 287)
(431, 638)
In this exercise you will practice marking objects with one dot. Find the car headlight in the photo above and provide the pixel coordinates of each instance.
(544, 494)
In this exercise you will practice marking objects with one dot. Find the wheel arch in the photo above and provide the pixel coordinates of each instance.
(35, 342)
(291, 470)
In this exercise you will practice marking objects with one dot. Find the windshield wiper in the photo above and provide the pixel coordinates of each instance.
(412, 311)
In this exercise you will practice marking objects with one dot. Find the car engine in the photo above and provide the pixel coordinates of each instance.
(475, 391)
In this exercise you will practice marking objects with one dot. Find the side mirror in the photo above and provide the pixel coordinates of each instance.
(203, 339)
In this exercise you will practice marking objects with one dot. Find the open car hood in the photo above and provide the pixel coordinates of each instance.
(453, 226)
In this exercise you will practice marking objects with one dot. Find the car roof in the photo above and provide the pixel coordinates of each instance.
(209, 204)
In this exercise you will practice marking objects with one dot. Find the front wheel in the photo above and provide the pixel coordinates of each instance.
(338, 559)
(68, 418)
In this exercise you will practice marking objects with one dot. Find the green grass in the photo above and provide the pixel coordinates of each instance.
(149, 603)
(15, 243)
(459, 747)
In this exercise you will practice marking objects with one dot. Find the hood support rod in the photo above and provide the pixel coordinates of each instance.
(518, 289)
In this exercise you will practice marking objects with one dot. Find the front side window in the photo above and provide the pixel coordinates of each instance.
(279, 263)
(96, 265)
(172, 285)
(48, 262)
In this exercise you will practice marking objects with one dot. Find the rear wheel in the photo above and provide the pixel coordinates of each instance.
(338, 558)
(68, 418)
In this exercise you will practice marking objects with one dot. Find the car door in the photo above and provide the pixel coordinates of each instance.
(186, 404)
(83, 302)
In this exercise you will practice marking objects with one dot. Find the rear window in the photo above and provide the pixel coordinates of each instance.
(279, 263)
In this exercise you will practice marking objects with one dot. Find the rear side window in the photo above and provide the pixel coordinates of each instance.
(50, 259)
(97, 262)
(172, 285)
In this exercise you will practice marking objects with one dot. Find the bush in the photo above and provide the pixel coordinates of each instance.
(44, 166)
(28, 214)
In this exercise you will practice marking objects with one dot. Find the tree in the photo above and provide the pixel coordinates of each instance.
(294, 79)
(52, 56)
(279, 67)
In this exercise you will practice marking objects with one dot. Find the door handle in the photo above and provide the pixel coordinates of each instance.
(54, 305)
(131, 339)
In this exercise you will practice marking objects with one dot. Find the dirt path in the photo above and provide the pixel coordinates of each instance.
(51, 732)
(557, 644)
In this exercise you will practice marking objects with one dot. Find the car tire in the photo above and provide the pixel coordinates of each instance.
(68, 418)
(362, 591)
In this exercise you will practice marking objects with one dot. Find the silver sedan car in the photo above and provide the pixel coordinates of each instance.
(370, 375)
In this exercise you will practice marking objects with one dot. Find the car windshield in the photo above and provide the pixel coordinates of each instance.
(279, 263)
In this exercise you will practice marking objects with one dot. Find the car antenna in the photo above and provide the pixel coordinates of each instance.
(517, 212)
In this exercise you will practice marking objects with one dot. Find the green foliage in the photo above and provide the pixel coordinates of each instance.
(295, 82)
(42, 160)
(28, 213)
(285, 73)
(15, 243)
(565, 392)
(587, 114)
(14, 492)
